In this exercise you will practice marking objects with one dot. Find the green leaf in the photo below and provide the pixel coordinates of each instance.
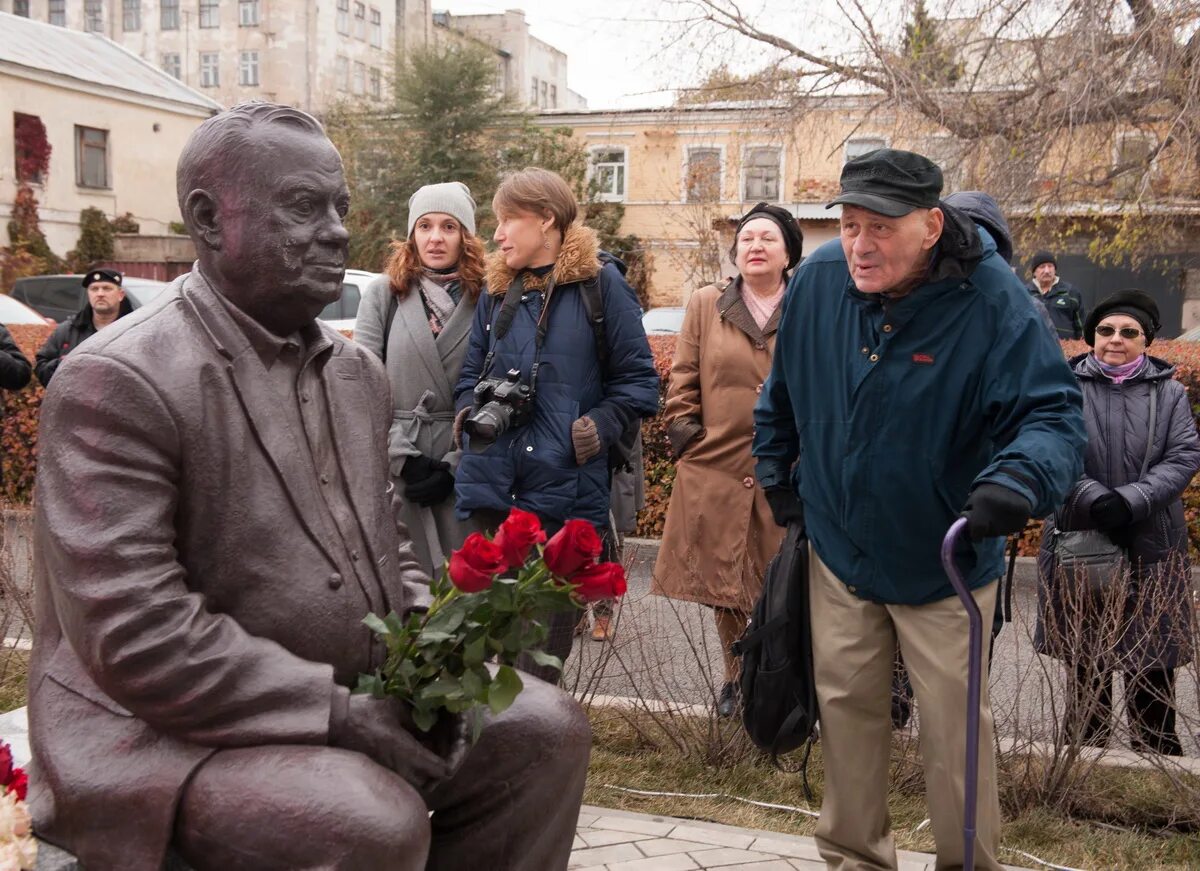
(503, 691)
(475, 651)
(369, 684)
(472, 685)
(424, 719)
(549, 660)
(376, 625)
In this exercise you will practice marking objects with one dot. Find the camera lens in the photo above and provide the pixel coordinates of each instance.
(487, 424)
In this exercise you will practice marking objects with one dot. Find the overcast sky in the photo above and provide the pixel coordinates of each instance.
(627, 53)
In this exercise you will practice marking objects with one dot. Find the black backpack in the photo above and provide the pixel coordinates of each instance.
(779, 694)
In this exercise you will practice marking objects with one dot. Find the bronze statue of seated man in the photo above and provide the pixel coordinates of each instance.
(212, 526)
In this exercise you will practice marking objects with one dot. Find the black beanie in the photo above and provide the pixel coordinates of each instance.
(1134, 303)
(793, 237)
(1042, 257)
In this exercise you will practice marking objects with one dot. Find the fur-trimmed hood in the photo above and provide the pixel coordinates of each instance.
(578, 260)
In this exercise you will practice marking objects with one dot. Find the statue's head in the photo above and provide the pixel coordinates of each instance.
(263, 196)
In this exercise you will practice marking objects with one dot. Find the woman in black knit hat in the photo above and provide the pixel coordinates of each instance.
(720, 533)
(1140, 457)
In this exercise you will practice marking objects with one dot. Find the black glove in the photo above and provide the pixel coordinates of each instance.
(1111, 511)
(427, 481)
(785, 505)
(993, 510)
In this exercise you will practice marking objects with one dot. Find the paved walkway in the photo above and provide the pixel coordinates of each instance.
(622, 841)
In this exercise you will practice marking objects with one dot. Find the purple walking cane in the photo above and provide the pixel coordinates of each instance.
(974, 688)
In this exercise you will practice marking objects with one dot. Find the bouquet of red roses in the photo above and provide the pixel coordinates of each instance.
(18, 848)
(490, 604)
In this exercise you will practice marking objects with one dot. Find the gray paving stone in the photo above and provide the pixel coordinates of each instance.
(604, 855)
(666, 846)
(645, 825)
(678, 862)
(604, 837)
(718, 837)
(770, 865)
(808, 864)
(723, 856)
(797, 848)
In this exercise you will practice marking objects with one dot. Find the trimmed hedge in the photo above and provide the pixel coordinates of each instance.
(18, 434)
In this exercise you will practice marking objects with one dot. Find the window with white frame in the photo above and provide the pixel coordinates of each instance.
(93, 16)
(210, 13)
(607, 172)
(343, 17)
(702, 175)
(210, 69)
(376, 84)
(1132, 157)
(168, 15)
(360, 21)
(859, 146)
(57, 13)
(171, 64)
(248, 68)
(376, 28)
(360, 78)
(248, 13)
(760, 174)
(131, 15)
(91, 157)
(342, 73)
(498, 85)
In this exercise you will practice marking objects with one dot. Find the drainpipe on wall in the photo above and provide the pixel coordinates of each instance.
(308, 26)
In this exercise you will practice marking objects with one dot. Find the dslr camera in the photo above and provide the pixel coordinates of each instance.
(500, 403)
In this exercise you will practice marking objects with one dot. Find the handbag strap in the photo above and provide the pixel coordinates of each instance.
(1153, 423)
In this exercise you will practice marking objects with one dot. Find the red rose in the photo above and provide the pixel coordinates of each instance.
(19, 783)
(517, 535)
(572, 548)
(473, 565)
(6, 764)
(603, 581)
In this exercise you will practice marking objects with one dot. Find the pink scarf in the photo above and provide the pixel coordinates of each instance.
(762, 307)
(1117, 374)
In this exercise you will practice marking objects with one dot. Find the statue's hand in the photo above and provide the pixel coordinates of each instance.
(381, 730)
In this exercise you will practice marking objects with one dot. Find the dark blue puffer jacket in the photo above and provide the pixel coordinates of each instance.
(533, 467)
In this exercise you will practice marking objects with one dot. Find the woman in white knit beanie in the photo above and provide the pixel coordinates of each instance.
(416, 317)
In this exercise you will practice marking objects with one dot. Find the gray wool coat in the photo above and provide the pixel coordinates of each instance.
(422, 371)
(1157, 628)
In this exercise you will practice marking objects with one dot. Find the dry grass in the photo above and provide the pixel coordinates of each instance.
(621, 757)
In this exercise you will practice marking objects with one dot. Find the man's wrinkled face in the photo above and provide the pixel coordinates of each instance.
(1045, 273)
(282, 240)
(105, 298)
(886, 253)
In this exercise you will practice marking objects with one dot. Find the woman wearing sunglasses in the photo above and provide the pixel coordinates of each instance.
(1142, 452)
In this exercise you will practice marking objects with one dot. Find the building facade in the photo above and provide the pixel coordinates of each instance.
(299, 52)
(686, 174)
(535, 72)
(115, 126)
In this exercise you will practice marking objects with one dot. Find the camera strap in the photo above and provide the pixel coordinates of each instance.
(508, 311)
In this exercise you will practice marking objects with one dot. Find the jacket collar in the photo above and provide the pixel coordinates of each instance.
(1086, 368)
(731, 307)
(578, 260)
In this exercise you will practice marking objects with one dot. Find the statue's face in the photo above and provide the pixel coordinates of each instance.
(283, 246)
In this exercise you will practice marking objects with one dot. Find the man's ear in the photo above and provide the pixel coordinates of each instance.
(935, 222)
(200, 216)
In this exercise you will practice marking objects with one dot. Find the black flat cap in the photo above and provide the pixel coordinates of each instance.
(890, 182)
(109, 275)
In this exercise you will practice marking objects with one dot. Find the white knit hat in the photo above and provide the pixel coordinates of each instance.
(451, 198)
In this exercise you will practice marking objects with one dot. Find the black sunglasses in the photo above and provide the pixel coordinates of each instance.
(1126, 332)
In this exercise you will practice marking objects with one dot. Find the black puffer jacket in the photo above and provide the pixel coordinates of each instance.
(66, 338)
(1158, 621)
(14, 367)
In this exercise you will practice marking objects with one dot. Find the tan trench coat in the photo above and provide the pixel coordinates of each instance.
(719, 533)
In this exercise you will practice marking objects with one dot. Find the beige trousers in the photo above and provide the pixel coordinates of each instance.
(853, 649)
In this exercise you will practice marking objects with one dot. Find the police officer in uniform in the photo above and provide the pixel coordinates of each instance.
(106, 302)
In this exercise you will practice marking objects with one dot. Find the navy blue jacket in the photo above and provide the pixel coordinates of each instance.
(892, 414)
(533, 467)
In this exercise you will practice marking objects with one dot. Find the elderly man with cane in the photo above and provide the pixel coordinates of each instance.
(913, 382)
